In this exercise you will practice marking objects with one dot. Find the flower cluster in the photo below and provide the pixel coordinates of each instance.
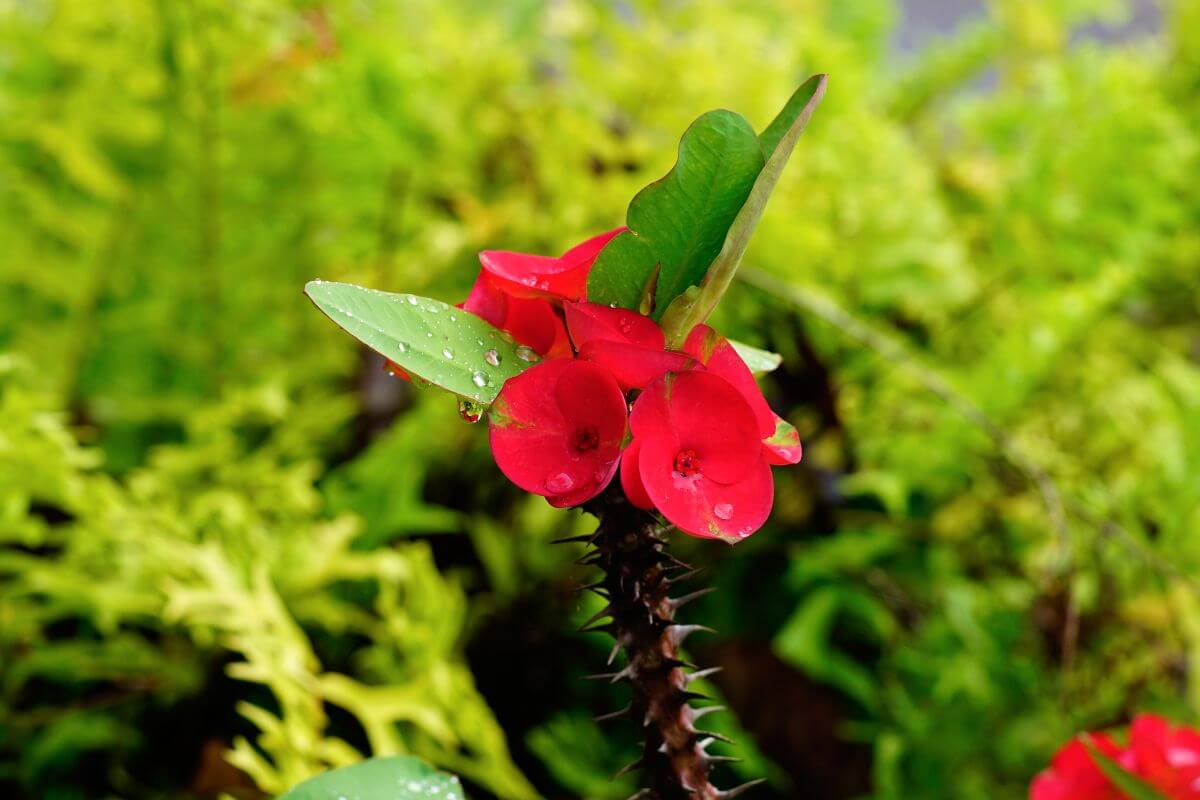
(688, 430)
(1165, 757)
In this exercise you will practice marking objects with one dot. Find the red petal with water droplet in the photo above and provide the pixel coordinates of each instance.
(533, 276)
(589, 322)
(703, 413)
(719, 358)
(537, 422)
(784, 446)
(631, 479)
(632, 365)
(701, 506)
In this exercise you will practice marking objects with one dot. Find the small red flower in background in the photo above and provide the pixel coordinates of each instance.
(557, 430)
(1162, 756)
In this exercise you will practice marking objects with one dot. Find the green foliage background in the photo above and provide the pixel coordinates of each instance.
(225, 535)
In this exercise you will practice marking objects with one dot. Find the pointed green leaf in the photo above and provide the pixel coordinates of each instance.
(758, 360)
(444, 345)
(397, 778)
(778, 140)
(681, 220)
(1127, 782)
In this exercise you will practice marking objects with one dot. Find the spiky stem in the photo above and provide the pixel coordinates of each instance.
(638, 577)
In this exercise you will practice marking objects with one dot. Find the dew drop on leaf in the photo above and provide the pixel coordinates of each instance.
(402, 347)
(447, 352)
(412, 301)
(559, 483)
(492, 357)
(723, 510)
(526, 353)
(480, 378)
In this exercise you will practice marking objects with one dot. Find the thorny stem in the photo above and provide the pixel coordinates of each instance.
(638, 576)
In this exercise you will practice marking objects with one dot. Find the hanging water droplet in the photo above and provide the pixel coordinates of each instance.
(492, 357)
(526, 353)
(559, 483)
(480, 378)
(470, 411)
(723, 510)
(447, 352)
(402, 347)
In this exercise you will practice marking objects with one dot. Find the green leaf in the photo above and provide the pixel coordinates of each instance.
(778, 140)
(1126, 781)
(441, 344)
(681, 220)
(397, 778)
(758, 360)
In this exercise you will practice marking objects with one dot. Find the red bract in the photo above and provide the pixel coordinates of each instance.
(562, 278)
(1073, 774)
(531, 322)
(780, 440)
(626, 343)
(699, 458)
(557, 429)
(1166, 757)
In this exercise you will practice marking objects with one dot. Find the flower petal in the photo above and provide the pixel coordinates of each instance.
(590, 321)
(701, 412)
(718, 356)
(700, 506)
(534, 323)
(632, 365)
(486, 301)
(784, 446)
(588, 396)
(535, 444)
(631, 479)
(520, 274)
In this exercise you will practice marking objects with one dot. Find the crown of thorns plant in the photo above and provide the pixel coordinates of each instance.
(605, 389)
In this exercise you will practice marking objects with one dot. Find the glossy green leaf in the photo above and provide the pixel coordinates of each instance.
(397, 778)
(681, 220)
(434, 341)
(758, 360)
(778, 140)
(1124, 780)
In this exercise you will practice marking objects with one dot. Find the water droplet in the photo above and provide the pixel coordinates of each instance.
(506, 336)
(560, 483)
(470, 411)
(429, 334)
(480, 378)
(723, 510)
(543, 285)
(412, 301)
(492, 357)
(526, 353)
(626, 326)
(402, 347)
(447, 352)
(453, 318)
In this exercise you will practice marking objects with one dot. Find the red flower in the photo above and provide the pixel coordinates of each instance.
(1073, 774)
(781, 441)
(696, 455)
(562, 278)
(531, 322)
(557, 429)
(1167, 758)
(626, 343)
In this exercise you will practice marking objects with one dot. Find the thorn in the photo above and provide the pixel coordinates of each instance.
(687, 697)
(701, 674)
(599, 615)
(722, 759)
(612, 677)
(613, 654)
(680, 602)
(604, 628)
(687, 576)
(697, 713)
(643, 794)
(673, 663)
(613, 714)
(589, 559)
(587, 537)
(711, 736)
(738, 791)
(679, 633)
(628, 768)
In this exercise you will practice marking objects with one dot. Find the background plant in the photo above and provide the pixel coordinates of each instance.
(225, 530)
